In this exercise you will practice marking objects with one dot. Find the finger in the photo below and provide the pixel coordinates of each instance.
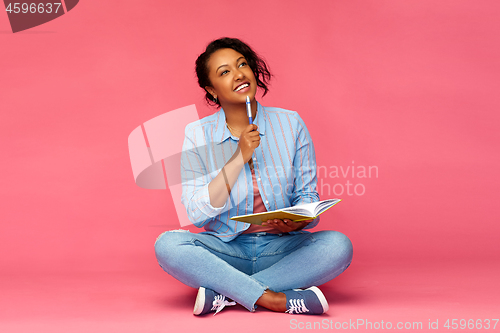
(271, 224)
(250, 128)
(254, 140)
(249, 137)
(280, 223)
(265, 223)
(275, 221)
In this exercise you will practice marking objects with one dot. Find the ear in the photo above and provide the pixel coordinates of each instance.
(211, 91)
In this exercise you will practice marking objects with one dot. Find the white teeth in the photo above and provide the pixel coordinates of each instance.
(242, 86)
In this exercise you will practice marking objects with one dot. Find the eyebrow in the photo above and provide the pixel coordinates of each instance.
(242, 57)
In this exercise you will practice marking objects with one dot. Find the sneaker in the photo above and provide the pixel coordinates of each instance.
(208, 300)
(306, 301)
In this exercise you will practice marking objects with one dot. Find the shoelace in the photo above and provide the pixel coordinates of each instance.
(297, 306)
(220, 302)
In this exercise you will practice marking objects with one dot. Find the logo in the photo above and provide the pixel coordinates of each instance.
(29, 14)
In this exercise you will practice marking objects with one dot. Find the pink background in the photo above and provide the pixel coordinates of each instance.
(408, 86)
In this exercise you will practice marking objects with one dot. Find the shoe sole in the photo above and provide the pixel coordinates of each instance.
(200, 302)
(321, 297)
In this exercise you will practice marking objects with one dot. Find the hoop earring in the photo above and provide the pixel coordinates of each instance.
(215, 99)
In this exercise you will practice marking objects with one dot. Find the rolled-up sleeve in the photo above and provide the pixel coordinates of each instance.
(196, 178)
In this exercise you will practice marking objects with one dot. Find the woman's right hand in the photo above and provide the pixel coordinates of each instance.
(249, 140)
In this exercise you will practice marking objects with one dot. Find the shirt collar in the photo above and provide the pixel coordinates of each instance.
(222, 133)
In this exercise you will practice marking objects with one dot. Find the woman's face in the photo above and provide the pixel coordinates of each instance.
(231, 77)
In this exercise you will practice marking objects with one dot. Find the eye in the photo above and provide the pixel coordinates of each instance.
(224, 72)
(243, 64)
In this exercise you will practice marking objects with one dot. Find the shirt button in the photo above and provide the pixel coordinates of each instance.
(255, 159)
(267, 202)
(258, 179)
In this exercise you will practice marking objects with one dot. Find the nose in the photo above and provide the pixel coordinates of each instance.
(239, 75)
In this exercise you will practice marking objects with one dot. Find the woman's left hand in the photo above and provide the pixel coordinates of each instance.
(286, 225)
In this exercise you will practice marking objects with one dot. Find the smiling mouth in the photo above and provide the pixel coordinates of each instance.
(242, 86)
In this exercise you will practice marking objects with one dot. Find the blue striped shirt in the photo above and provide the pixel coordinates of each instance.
(284, 164)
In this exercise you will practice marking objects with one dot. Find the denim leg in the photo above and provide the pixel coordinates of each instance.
(204, 260)
(303, 260)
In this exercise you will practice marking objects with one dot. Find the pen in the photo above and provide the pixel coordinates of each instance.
(249, 111)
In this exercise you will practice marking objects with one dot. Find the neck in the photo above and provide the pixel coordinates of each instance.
(236, 114)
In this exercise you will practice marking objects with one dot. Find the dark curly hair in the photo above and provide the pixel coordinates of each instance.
(258, 65)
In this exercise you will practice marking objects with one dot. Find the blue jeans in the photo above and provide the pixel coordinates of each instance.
(251, 263)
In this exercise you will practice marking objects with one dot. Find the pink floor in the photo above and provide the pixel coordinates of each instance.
(151, 301)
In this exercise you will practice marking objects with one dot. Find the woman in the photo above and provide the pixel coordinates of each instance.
(231, 167)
